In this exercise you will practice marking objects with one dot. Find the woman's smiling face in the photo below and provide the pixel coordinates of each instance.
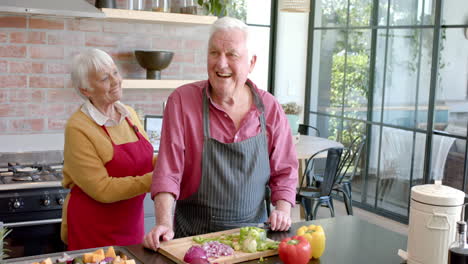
(105, 86)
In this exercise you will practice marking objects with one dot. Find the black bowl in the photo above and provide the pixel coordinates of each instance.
(154, 61)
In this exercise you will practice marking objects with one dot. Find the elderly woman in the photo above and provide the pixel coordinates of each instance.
(108, 161)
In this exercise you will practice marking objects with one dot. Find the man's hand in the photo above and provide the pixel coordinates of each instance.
(280, 218)
(157, 234)
(163, 231)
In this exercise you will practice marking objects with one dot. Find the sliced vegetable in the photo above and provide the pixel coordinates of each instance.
(249, 239)
(216, 249)
(316, 237)
(249, 245)
(256, 233)
(78, 261)
(294, 250)
(195, 254)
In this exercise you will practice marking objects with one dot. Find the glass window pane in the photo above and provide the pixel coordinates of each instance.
(258, 11)
(370, 185)
(260, 41)
(351, 131)
(441, 146)
(406, 12)
(407, 68)
(329, 127)
(331, 13)
(452, 89)
(396, 167)
(327, 73)
(360, 12)
(357, 73)
(455, 12)
(379, 75)
(383, 13)
(424, 60)
(454, 164)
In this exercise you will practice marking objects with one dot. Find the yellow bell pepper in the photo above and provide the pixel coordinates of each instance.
(316, 237)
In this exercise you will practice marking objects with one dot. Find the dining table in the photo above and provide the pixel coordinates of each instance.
(306, 146)
(349, 240)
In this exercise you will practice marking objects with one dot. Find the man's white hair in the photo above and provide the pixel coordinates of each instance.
(92, 60)
(227, 23)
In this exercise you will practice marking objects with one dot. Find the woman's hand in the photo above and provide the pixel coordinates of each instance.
(159, 233)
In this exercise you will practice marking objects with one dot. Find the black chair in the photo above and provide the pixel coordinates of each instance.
(304, 130)
(310, 196)
(350, 159)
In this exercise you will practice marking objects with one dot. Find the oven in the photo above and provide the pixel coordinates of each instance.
(31, 199)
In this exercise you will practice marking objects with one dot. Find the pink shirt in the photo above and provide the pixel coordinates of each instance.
(178, 167)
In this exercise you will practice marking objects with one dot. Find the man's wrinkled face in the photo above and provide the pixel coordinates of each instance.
(228, 61)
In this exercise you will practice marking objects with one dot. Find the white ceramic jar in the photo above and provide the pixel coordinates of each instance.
(434, 211)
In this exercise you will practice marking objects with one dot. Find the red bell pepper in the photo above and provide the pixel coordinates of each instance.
(294, 250)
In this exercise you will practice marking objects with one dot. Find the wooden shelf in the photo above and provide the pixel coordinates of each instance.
(157, 17)
(153, 84)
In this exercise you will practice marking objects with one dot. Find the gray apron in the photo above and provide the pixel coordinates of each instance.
(232, 188)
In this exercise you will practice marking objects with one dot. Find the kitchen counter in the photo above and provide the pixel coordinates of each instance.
(350, 240)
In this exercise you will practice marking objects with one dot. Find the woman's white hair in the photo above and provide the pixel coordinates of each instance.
(92, 60)
(227, 23)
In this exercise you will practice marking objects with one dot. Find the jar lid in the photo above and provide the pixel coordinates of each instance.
(437, 194)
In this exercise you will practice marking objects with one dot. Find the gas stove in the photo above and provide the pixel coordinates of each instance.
(31, 191)
(31, 200)
(16, 176)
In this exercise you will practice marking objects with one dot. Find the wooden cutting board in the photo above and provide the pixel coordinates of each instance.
(176, 249)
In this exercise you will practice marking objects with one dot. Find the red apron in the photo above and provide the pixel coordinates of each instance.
(94, 224)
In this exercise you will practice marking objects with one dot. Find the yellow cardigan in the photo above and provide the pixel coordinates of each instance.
(87, 148)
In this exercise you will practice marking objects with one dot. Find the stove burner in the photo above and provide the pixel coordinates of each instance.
(26, 170)
(22, 178)
(21, 174)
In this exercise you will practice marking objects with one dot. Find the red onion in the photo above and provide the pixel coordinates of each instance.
(216, 249)
(196, 255)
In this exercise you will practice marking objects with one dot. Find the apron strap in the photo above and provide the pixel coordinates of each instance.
(135, 128)
(206, 115)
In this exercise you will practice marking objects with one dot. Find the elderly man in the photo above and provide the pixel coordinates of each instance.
(223, 140)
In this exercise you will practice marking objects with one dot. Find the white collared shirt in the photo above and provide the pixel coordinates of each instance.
(90, 110)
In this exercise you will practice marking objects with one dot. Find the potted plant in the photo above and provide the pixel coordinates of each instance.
(292, 111)
(215, 7)
(3, 233)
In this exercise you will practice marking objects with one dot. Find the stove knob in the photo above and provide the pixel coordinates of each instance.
(16, 204)
(60, 200)
(46, 201)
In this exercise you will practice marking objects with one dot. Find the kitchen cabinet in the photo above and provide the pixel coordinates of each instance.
(153, 84)
(156, 17)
